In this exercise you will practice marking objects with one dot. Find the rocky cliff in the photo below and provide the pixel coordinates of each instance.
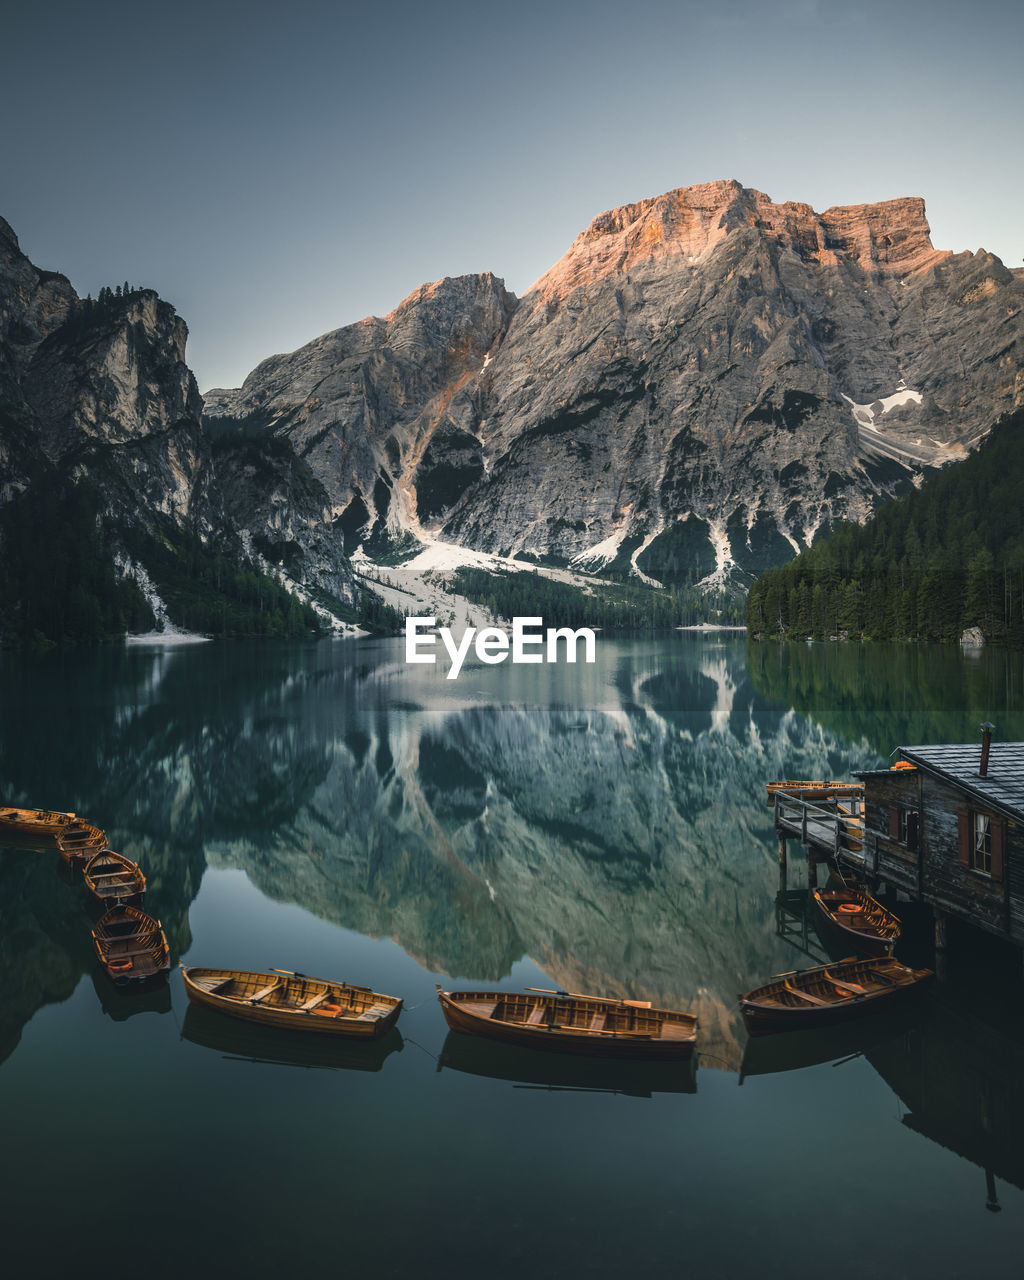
(83, 380)
(702, 384)
(97, 394)
(384, 413)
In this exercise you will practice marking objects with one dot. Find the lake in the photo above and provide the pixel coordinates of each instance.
(600, 828)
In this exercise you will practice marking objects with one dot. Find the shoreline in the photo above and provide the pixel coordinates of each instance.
(167, 638)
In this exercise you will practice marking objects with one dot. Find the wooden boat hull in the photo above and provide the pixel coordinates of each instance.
(590, 1025)
(251, 1042)
(294, 1002)
(80, 842)
(813, 789)
(829, 993)
(114, 880)
(856, 917)
(47, 823)
(132, 947)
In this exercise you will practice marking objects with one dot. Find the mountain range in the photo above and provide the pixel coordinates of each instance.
(705, 383)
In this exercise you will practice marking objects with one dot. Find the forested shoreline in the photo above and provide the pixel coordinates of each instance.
(927, 566)
(623, 607)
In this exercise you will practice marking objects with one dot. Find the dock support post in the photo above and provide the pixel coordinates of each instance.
(782, 851)
(812, 871)
(940, 944)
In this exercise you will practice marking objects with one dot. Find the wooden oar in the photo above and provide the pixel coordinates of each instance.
(815, 969)
(338, 982)
(578, 995)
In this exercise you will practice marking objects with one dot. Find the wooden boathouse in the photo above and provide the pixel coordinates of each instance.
(945, 825)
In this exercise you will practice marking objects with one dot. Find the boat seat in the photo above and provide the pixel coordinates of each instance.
(372, 1014)
(803, 995)
(264, 991)
(312, 1002)
(846, 986)
(137, 951)
(536, 1015)
(482, 1008)
(597, 1022)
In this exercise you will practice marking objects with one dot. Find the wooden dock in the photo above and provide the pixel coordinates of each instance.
(942, 825)
(827, 827)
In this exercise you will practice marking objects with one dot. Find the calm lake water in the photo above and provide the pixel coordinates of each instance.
(600, 828)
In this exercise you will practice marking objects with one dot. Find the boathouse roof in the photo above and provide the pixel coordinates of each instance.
(1003, 784)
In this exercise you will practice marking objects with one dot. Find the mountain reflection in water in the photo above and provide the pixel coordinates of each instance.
(605, 820)
(602, 825)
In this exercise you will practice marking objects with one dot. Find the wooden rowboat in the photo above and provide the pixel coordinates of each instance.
(48, 823)
(113, 879)
(813, 789)
(570, 1023)
(859, 919)
(294, 1001)
(131, 946)
(80, 841)
(828, 993)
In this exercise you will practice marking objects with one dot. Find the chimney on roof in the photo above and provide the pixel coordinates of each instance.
(986, 742)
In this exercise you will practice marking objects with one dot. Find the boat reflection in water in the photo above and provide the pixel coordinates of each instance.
(121, 1003)
(812, 1047)
(534, 1069)
(244, 1042)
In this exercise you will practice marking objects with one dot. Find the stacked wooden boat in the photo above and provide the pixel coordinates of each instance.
(79, 842)
(45, 823)
(114, 880)
(131, 946)
(812, 789)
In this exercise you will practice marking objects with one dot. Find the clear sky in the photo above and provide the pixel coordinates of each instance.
(277, 170)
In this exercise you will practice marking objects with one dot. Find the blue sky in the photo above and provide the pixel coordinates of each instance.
(277, 171)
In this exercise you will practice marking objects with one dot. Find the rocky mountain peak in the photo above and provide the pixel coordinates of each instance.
(7, 234)
(688, 223)
(703, 383)
(892, 237)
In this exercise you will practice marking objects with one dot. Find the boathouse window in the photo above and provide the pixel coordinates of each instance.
(982, 840)
(981, 845)
(904, 825)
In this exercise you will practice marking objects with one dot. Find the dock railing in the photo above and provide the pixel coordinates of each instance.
(834, 824)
